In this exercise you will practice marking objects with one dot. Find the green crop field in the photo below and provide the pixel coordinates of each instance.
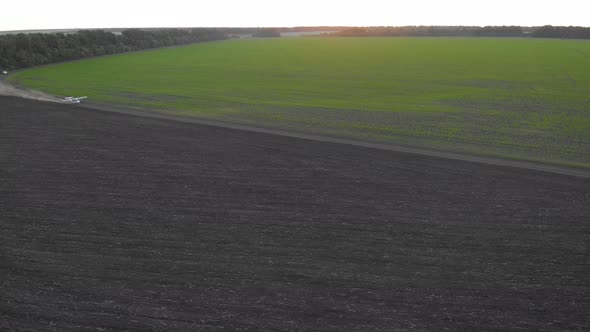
(516, 98)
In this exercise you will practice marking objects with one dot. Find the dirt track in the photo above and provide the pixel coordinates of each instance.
(120, 222)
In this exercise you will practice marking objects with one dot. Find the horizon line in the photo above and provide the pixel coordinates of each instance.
(285, 27)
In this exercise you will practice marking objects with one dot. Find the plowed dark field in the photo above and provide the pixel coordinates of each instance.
(115, 222)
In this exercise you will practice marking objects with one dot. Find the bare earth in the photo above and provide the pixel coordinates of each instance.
(116, 222)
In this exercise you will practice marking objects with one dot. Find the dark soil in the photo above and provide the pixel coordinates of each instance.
(115, 222)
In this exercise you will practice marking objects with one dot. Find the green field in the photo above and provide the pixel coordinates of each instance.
(517, 98)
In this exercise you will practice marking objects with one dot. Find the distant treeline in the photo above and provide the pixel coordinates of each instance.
(547, 31)
(267, 33)
(33, 49)
(238, 31)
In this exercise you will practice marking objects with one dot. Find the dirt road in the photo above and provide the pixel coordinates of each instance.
(111, 221)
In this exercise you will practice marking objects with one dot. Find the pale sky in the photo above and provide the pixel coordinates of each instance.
(65, 14)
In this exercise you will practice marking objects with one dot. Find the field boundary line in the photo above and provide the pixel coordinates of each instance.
(359, 143)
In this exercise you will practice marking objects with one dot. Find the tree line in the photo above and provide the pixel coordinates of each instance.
(266, 33)
(547, 31)
(34, 49)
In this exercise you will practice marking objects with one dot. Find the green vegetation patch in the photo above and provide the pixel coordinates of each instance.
(521, 98)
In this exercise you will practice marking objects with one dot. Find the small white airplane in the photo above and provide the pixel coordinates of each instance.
(74, 100)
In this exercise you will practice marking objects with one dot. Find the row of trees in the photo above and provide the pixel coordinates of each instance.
(468, 31)
(549, 31)
(265, 33)
(26, 50)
